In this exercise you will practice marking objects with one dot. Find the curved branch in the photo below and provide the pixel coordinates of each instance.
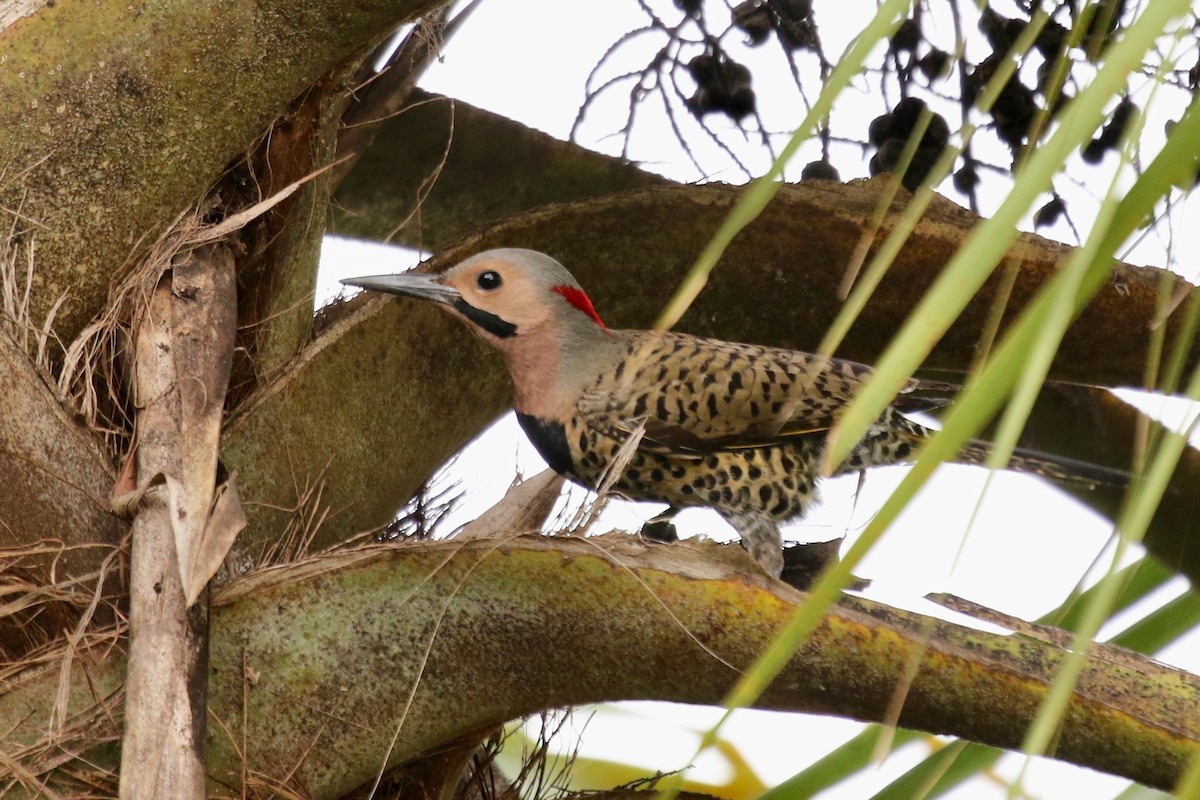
(442, 168)
(1067, 419)
(400, 387)
(344, 663)
(116, 119)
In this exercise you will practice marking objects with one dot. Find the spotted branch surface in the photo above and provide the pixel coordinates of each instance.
(333, 667)
(476, 633)
(117, 116)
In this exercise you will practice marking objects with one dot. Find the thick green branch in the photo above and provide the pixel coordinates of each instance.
(443, 169)
(116, 116)
(341, 664)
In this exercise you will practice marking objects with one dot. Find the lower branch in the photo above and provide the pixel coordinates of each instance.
(325, 672)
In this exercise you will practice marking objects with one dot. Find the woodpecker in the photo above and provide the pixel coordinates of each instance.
(736, 427)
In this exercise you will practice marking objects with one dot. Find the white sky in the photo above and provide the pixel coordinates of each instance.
(528, 60)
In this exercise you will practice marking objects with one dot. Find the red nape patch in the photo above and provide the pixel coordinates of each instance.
(577, 298)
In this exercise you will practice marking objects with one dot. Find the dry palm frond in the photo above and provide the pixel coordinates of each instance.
(50, 763)
(544, 775)
(424, 516)
(34, 612)
(304, 521)
(17, 258)
(482, 781)
(92, 379)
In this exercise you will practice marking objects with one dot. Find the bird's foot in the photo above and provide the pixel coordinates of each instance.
(762, 540)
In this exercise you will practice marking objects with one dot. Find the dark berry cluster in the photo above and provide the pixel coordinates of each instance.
(790, 20)
(908, 41)
(890, 133)
(722, 85)
(703, 70)
(1110, 135)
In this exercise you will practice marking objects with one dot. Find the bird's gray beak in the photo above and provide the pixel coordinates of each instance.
(418, 284)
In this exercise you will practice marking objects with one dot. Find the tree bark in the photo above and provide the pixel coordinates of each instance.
(443, 169)
(117, 116)
(184, 349)
(162, 751)
(327, 671)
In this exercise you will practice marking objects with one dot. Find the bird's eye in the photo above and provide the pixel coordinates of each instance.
(489, 280)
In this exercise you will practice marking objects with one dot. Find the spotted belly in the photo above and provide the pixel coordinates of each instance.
(776, 482)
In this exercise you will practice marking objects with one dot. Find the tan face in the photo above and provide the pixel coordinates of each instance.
(501, 289)
(508, 296)
(527, 306)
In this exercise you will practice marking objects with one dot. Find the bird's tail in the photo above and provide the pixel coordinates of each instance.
(1048, 465)
(929, 394)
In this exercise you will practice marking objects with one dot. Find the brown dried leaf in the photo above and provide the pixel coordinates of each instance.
(523, 508)
(224, 523)
(203, 328)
